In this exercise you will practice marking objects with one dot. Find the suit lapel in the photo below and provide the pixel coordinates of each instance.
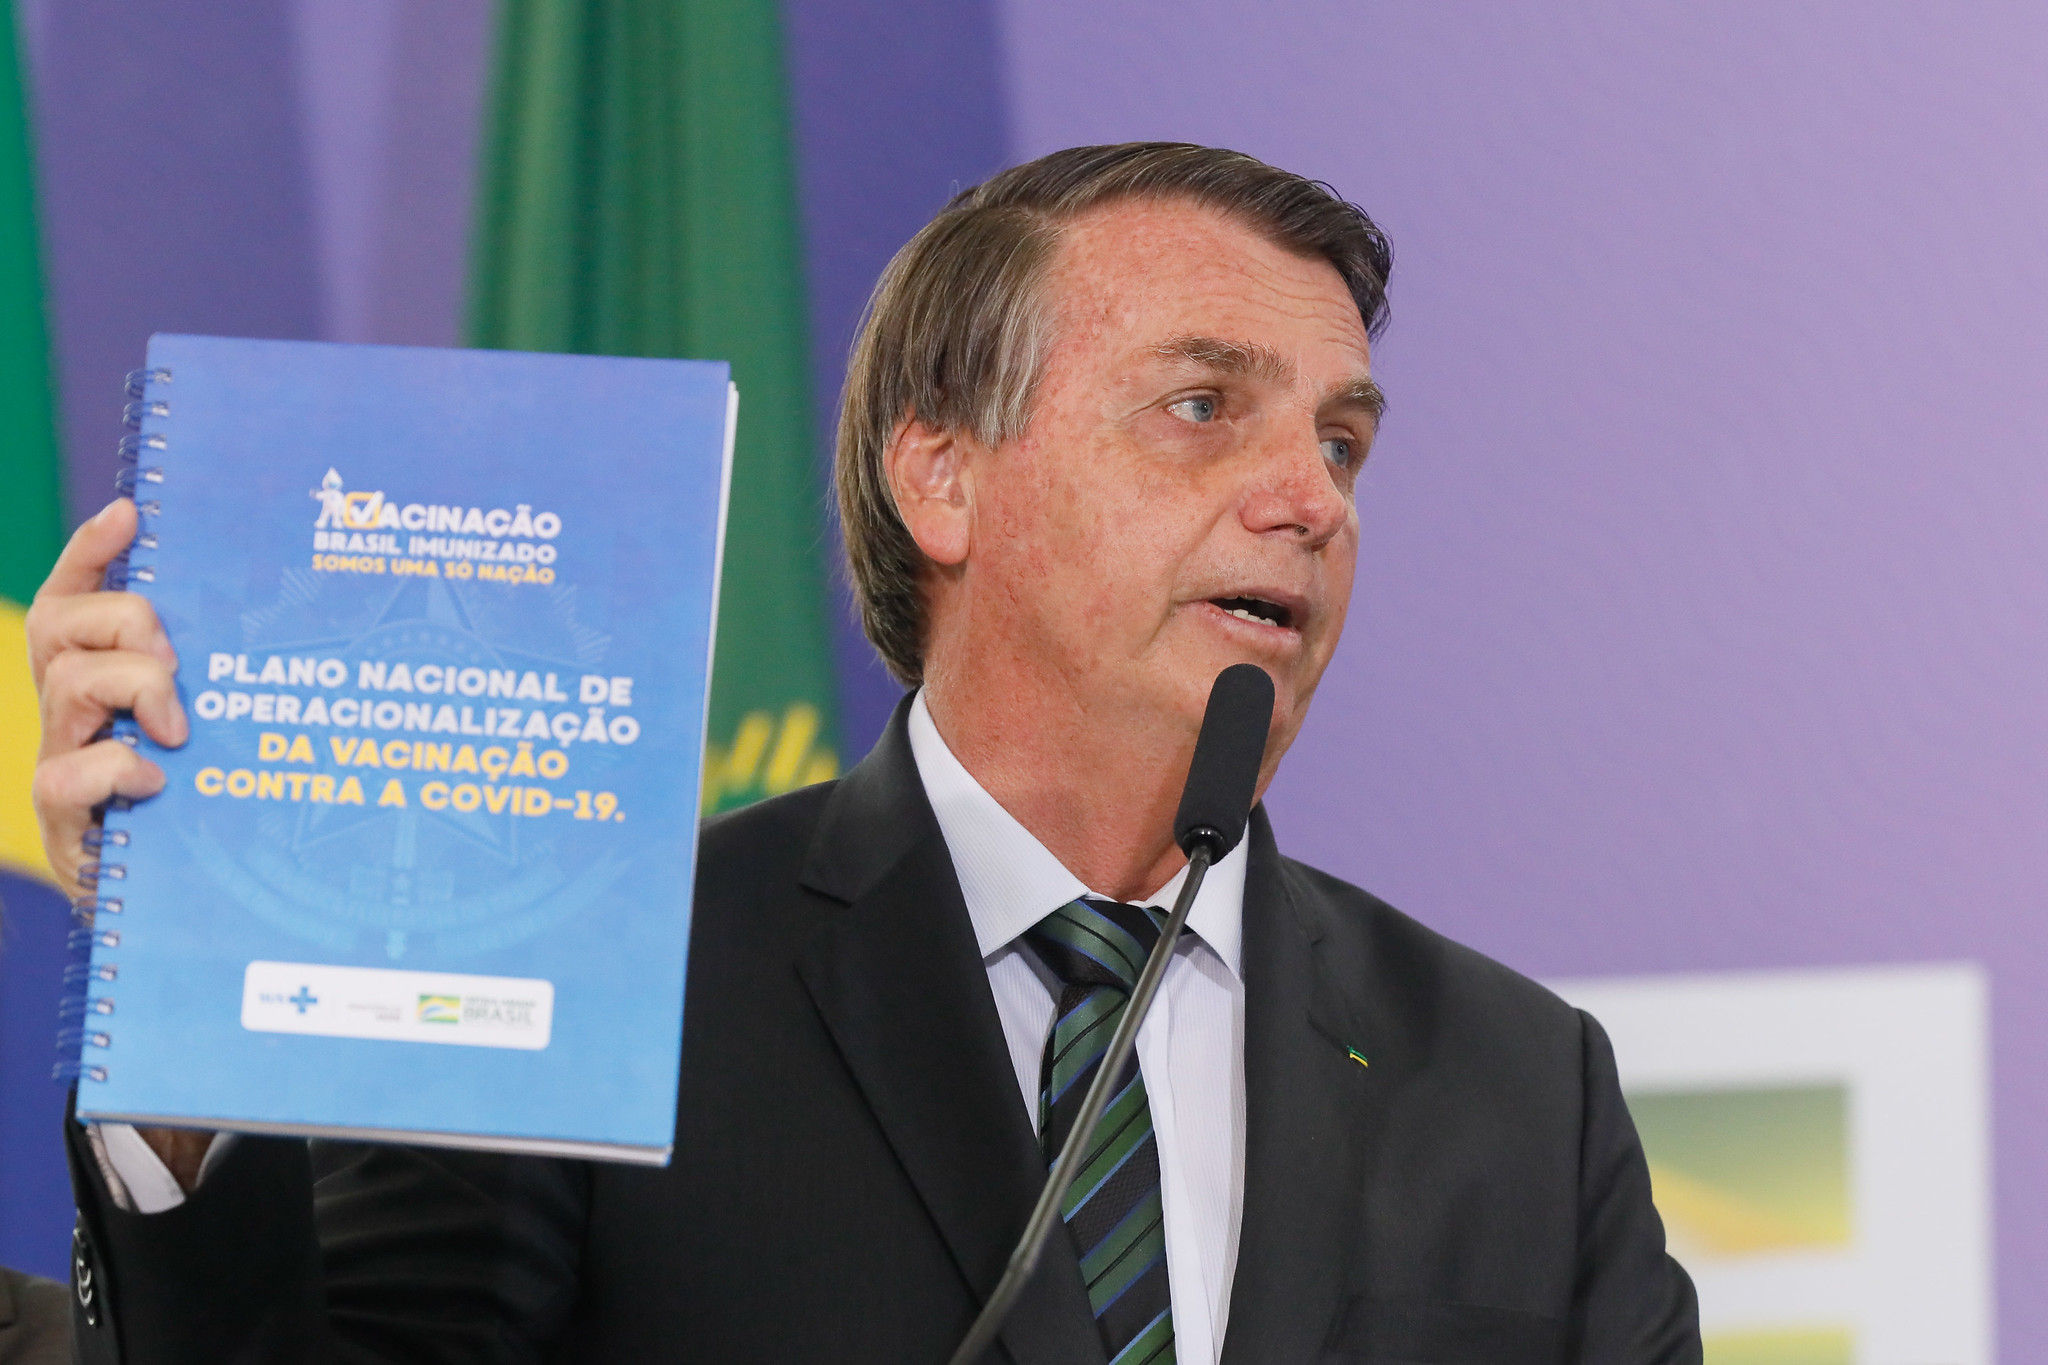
(901, 985)
(1303, 1102)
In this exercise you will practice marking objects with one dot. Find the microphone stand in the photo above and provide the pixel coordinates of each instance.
(1201, 845)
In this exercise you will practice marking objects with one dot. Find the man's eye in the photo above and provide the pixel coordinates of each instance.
(1194, 409)
(1337, 451)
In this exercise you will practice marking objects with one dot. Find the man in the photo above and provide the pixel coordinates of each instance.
(1100, 440)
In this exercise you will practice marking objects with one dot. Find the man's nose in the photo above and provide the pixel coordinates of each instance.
(1295, 489)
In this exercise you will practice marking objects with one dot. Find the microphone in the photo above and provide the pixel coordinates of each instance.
(1224, 773)
(1215, 802)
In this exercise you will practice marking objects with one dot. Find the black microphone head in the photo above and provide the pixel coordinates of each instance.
(1224, 775)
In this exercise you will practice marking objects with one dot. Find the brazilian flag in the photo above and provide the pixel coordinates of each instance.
(35, 1213)
(637, 198)
(31, 509)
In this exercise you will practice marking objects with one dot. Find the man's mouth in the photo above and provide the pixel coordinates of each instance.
(1255, 609)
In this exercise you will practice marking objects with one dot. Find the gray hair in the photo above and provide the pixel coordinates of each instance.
(956, 336)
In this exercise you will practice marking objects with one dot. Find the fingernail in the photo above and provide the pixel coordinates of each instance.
(106, 511)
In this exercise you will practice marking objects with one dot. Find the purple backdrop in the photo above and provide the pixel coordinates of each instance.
(896, 104)
(1700, 621)
(174, 196)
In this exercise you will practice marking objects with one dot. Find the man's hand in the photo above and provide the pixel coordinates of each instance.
(94, 653)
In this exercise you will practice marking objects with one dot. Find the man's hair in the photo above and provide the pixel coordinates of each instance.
(956, 332)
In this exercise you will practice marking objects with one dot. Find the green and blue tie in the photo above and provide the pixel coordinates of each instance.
(1113, 1210)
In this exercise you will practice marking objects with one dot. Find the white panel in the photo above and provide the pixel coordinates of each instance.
(1910, 1046)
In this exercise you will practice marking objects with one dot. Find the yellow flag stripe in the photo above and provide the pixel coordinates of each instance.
(21, 844)
(768, 757)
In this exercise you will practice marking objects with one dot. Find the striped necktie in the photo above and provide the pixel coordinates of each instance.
(1113, 1209)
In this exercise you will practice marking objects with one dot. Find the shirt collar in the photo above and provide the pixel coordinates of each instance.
(1011, 881)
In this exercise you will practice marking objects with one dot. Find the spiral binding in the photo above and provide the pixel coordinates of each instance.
(132, 415)
(134, 476)
(91, 873)
(81, 1008)
(132, 445)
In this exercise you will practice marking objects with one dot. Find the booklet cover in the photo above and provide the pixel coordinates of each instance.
(423, 870)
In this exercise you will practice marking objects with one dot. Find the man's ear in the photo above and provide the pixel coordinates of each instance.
(934, 489)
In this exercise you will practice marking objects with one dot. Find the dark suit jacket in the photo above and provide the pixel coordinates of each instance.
(853, 1160)
(35, 1320)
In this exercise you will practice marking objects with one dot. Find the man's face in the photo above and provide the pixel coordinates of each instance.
(1182, 498)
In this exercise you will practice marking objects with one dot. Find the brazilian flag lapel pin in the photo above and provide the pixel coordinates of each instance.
(1355, 1055)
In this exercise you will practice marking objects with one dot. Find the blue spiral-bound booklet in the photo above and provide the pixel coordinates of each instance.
(423, 871)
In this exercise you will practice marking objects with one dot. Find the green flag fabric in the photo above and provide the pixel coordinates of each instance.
(31, 510)
(637, 198)
(31, 506)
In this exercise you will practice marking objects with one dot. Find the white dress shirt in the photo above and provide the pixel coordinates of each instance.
(1190, 1048)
